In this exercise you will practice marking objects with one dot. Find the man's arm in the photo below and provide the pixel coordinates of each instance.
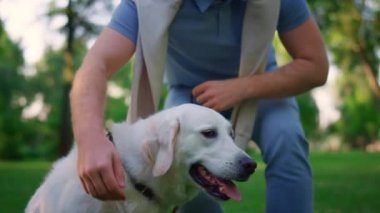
(98, 166)
(308, 69)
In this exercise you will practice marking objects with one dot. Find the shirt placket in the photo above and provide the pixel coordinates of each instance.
(223, 16)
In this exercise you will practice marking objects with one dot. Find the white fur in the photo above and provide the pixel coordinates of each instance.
(157, 151)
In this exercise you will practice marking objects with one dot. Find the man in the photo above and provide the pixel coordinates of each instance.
(202, 67)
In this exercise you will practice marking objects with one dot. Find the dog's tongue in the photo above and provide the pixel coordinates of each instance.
(231, 191)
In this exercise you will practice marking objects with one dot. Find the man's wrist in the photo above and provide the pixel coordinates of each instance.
(90, 137)
(248, 83)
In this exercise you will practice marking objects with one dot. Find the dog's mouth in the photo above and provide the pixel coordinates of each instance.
(218, 187)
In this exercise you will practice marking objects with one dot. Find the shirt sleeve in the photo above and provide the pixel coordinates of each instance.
(124, 20)
(292, 14)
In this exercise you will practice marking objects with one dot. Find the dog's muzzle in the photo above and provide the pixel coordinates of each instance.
(221, 187)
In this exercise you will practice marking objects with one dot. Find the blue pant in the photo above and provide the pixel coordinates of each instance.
(279, 135)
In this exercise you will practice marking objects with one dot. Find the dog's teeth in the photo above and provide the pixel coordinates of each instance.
(221, 189)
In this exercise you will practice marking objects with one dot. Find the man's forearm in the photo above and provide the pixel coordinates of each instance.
(87, 102)
(109, 53)
(292, 79)
(308, 69)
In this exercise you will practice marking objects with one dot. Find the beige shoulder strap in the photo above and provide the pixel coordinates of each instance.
(259, 26)
(154, 18)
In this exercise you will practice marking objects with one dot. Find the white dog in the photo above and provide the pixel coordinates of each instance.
(167, 159)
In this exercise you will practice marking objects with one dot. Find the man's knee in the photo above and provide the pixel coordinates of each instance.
(286, 140)
(281, 137)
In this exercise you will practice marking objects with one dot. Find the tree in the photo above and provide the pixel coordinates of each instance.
(11, 87)
(360, 110)
(351, 29)
(78, 26)
(43, 142)
(47, 83)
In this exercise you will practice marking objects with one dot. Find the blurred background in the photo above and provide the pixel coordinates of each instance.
(42, 43)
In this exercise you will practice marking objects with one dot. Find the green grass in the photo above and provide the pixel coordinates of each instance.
(18, 181)
(344, 183)
(347, 182)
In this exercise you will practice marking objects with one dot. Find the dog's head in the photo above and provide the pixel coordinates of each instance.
(200, 141)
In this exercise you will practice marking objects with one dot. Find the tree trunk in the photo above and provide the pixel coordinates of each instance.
(369, 71)
(65, 134)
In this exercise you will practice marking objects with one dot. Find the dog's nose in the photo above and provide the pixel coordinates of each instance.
(248, 165)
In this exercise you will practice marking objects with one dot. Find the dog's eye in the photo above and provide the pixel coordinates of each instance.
(209, 133)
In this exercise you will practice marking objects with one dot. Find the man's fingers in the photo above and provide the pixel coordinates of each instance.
(199, 89)
(206, 99)
(209, 104)
(114, 191)
(203, 98)
(118, 170)
(99, 186)
(89, 187)
(84, 185)
(101, 173)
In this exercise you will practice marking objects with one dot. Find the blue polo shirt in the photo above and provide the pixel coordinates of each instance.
(205, 36)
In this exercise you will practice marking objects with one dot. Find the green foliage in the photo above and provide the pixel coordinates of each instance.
(351, 30)
(43, 139)
(309, 114)
(11, 87)
(117, 107)
(34, 137)
(48, 83)
(360, 120)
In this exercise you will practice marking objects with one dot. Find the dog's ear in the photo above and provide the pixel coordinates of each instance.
(167, 136)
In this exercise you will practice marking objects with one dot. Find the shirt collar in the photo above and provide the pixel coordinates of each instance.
(203, 5)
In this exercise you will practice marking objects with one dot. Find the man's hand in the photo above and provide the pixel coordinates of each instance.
(221, 95)
(100, 170)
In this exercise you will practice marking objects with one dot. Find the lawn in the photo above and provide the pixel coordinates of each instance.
(344, 183)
